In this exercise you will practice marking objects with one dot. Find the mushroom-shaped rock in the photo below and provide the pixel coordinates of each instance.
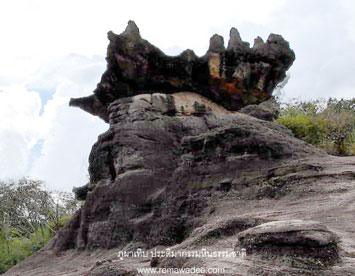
(233, 78)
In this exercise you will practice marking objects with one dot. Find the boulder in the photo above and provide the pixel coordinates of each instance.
(305, 242)
(288, 232)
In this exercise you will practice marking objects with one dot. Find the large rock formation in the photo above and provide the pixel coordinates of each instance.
(232, 77)
(151, 173)
(182, 171)
(153, 158)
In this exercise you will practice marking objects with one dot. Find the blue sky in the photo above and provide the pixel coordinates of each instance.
(53, 50)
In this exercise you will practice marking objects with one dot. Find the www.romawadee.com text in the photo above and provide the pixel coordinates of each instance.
(179, 271)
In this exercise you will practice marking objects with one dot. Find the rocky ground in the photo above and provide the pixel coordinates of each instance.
(282, 206)
(326, 196)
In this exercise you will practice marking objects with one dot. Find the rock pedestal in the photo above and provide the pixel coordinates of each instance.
(165, 156)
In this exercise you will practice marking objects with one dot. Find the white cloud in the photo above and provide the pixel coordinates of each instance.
(14, 154)
(44, 28)
(318, 33)
(73, 67)
(69, 138)
(19, 129)
(66, 134)
(38, 66)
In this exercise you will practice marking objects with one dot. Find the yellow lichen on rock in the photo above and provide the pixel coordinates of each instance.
(214, 62)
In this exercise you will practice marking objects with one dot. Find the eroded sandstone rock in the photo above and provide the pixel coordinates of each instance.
(232, 77)
(309, 241)
(268, 110)
(288, 232)
(183, 171)
(153, 175)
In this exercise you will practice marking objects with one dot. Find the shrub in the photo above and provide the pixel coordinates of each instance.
(327, 124)
(29, 217)
(17, 247)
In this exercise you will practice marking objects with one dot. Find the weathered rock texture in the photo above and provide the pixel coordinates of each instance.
(268, 110)
(152, 174)
(308, 242)
(183, 171)
(288, 232)
(232, 77)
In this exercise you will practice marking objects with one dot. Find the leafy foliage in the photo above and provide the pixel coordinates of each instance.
(327, 124)
(29, 218)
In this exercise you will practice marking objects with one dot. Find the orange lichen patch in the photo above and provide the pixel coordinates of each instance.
(214, 62)
(231, 88)
(236, 88)
(261, 94)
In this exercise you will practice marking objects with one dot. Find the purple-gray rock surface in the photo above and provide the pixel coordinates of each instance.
(152, 175)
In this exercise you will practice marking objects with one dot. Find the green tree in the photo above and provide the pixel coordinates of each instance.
(340, 128)
(327, 124)
(29, 217)
(301, 118)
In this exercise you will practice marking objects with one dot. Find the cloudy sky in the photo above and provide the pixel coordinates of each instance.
(52, 50)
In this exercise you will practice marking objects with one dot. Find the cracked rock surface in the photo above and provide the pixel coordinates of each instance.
(152, 174)
(205, 178)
